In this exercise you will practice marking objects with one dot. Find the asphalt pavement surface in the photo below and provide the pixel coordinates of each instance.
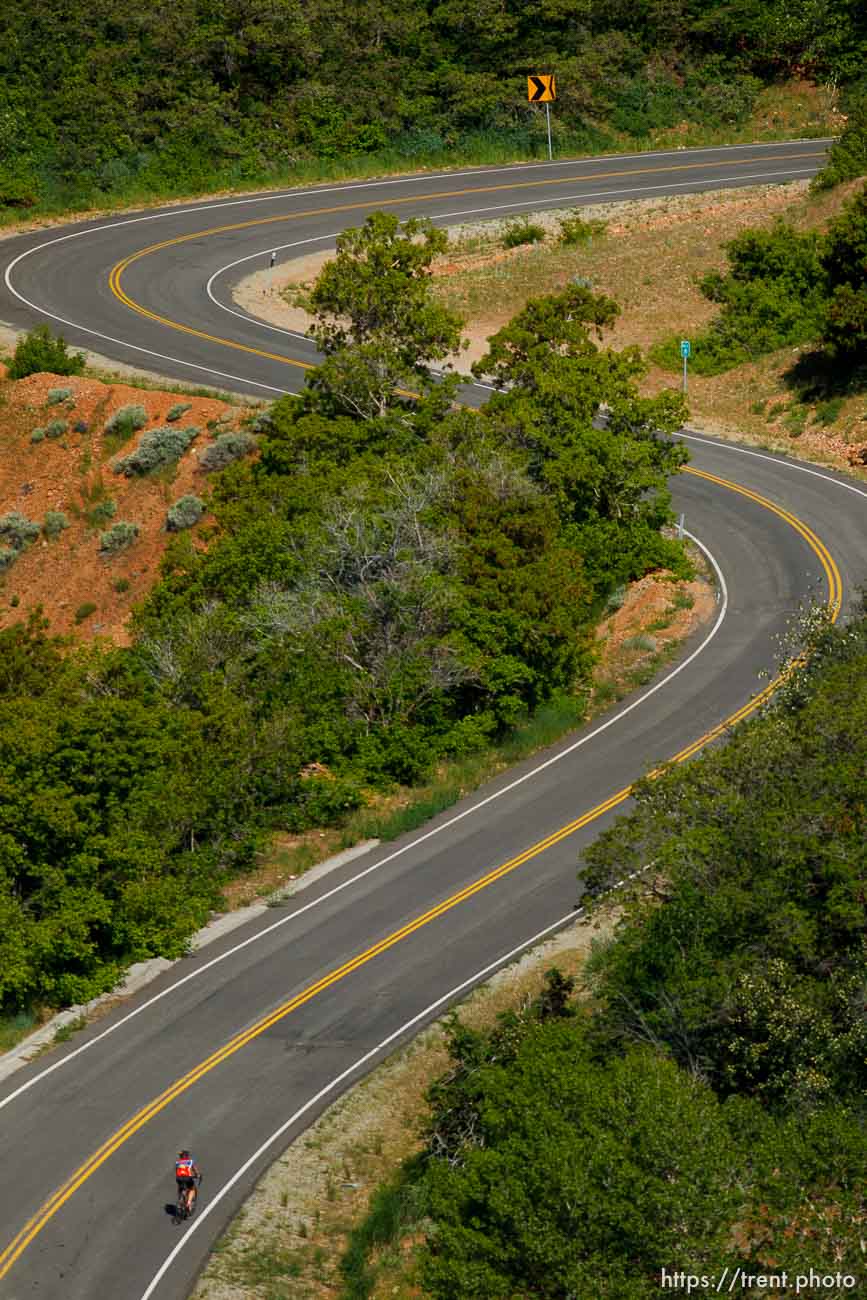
(234, 1051)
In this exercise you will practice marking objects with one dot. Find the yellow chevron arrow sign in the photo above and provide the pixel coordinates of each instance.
(542, 88)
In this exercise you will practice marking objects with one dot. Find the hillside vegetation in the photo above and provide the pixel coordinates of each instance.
(392, 582)
(108, 101)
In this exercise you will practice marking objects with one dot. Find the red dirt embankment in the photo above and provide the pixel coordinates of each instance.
(73, 473)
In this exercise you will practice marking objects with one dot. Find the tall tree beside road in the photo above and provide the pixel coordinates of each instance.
(375, 319)
(845, 263)
(592, 442)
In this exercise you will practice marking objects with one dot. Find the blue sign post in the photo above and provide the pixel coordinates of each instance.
(685, 349)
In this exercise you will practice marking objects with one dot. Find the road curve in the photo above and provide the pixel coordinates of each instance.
(238, 1043)
(134, 287)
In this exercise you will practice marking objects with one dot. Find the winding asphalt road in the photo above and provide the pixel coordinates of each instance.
(234, 1051)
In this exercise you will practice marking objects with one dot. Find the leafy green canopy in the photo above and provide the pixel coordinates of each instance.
(752, 970)
(572, 410)
(178, 94)
(377, 323)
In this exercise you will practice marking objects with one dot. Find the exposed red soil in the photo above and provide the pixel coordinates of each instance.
(648, 600)
(70, 474)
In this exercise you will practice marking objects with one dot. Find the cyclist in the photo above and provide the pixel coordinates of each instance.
(186, 1173)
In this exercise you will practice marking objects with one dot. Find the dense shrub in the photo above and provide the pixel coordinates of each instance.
(773, 295)
(118, 537)
(125, 422)
(54, 523)
(17, 531)
(38, 435)
(56, 429)
(523, 231)
(101, 512)
(40, 352)
(324, 802)
(845, 262)
(84, 611)
(177, 411)
(57, 395)
(184, 513)
(228, 447)
(157, 447)
(575, 230)
(847, 157)
(8, 556)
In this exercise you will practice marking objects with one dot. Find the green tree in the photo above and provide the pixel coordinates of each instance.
(40, 351)
(845, 263)
(375, 319)
(592, 442)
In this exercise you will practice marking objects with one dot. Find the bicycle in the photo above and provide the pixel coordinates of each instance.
(186, 1207)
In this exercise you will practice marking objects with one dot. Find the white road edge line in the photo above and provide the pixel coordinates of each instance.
(573, 915)
(381, 182)
(200, 1218)
(559, 199)
(255, 383)
(775, 460)
(291, 916)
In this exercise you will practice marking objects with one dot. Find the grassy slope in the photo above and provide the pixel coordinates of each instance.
(651, 259)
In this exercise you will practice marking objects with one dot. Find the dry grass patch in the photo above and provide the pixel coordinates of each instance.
(651, 259)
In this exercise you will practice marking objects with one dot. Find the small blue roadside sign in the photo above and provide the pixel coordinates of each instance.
(685, 348)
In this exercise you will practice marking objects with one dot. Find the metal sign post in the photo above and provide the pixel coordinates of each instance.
(542, 89)
(685, 349)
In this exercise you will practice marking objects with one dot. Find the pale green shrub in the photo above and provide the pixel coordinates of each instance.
(184, 514)
(118, 537)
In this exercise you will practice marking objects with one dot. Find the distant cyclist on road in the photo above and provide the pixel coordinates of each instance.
(186, 1174)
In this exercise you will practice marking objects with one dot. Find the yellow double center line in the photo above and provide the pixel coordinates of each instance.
(46, 1212)
(35, 1225)
(118, 269)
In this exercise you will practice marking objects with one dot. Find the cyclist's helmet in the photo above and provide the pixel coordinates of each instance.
(183, 1155)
